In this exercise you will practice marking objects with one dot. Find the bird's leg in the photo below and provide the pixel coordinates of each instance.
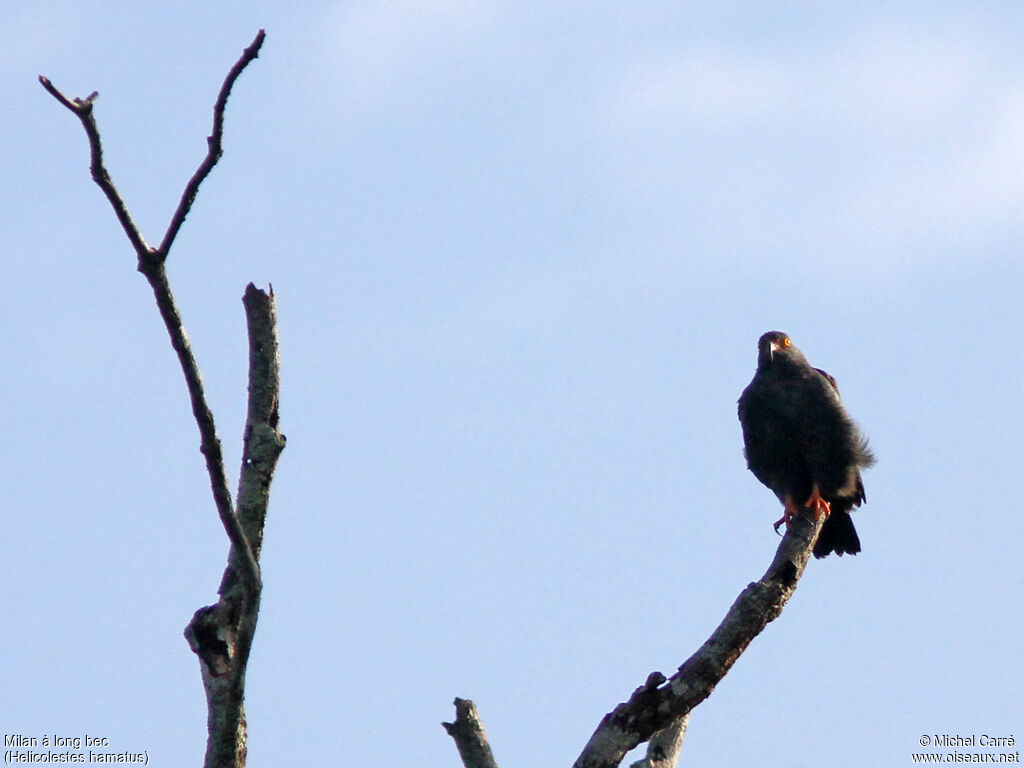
(818, 504)
(788, 514)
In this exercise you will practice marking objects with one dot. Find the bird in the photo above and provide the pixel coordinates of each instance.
(800, 442)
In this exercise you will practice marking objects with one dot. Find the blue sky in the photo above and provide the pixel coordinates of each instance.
(522, 255)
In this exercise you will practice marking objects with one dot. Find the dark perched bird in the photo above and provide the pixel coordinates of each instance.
(801, 443)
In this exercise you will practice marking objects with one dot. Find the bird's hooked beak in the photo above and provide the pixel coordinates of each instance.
(772, 349)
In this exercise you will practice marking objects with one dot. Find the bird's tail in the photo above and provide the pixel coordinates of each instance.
(837, 535)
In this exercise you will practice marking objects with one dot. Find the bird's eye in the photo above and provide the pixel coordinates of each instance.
(786, 342)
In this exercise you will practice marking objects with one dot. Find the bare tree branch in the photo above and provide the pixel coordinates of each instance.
(262, 442)
(659, 710)
(659, 702)
(663, 748)
(469, 736)
(221, 634)
(83, 109)
(210, 445)
(213, 141)
(151, 264)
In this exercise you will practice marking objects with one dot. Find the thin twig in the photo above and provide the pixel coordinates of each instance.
(83, 110)
(659, 702)
(214, 148)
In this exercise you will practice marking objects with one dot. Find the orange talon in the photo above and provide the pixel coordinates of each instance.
(818, 504)
(790, 512)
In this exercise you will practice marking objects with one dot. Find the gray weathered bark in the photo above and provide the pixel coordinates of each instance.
(221, 634)
(659, 702)
(470, 738)
(663, 748)
(658, 711)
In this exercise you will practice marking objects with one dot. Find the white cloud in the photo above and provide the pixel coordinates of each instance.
(869, 78)
(879, 140)
(710, 87)
(972, 184)
(899, 79)
(376, 43)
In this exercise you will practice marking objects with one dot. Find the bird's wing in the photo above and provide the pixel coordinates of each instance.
(829, 378)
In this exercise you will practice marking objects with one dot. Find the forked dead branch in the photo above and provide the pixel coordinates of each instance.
(220, 634)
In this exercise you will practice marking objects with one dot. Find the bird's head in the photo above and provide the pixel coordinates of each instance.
(775, 348)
